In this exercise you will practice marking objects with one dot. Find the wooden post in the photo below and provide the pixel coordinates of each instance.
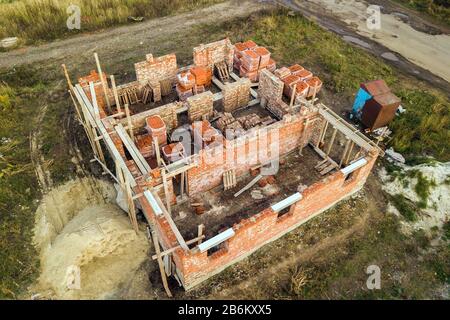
(131, 207)
(323, 132)
(349, 153)
(76, 107)
(344, 155)
(161, 264)
(201, 227)
(166, 190)
(100, 73)
(294, 93)
(331, 141)
(130, 124)
(158, 154)
(182, 184)
(314, 95)
(304, 134)
(66, 74)
(116, 96)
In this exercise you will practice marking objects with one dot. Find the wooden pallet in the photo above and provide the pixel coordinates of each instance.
(147, 94)
(222, 70)
(229, 180)
(129, 96)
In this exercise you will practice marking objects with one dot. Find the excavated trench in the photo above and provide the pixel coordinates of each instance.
(87, 247)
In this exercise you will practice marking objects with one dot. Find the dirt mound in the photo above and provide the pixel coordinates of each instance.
(87, 246)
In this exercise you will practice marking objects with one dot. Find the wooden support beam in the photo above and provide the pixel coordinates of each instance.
(322, 134)
(171, 250)
(349, 153)
(116, 96)
(133, 150)
(333, 136)
(131, 207)
(182, 184)
(166, 190)
(130, 123)
(171, 223)
(100, 73)
(66, 74)
(158, 154)
(161, 264)
(344, 155)
(294, 93)
(200, 236)
(248, 186)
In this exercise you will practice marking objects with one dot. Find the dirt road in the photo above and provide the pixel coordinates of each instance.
(405, 40)
(128, 37)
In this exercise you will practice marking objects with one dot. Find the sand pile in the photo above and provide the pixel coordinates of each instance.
(88, 248)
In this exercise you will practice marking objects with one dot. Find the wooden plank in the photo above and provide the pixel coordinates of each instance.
(327, 169)
(161, 264)
(166, 190)
(171, 250)
(130, 123)
(99, 68)
(134, 151)
(333, 137)
(248, 186)
(116, 96)
(84, 101)
(171, 223)
(344, 155)
(200, 236)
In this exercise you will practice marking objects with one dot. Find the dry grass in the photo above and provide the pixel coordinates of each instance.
(37, 20)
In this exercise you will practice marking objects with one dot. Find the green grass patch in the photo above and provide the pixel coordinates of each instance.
(406, 207)
(23, 91)
(438, 9)
(45, 20)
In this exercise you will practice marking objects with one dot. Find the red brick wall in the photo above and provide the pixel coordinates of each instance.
(209, 175)
(266, 226)
(212, 53)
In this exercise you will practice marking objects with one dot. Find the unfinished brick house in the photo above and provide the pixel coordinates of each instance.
(220, 157)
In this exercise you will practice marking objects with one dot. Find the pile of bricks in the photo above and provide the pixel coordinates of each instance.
(236, 94)
(228, 125)
(157, 129)
(250, 121)
(203, 76)
(185, 85)
(173, 152)
(145, 145)
(303, 80)
(205, 134)
(193, 81)
(250, 59)
(278, 108)
(200, 106)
